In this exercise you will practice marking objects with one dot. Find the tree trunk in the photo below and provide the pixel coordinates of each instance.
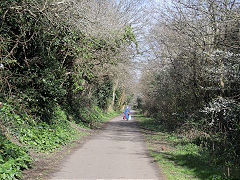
(115, 85)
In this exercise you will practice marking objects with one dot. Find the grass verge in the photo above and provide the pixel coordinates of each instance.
(178, 157)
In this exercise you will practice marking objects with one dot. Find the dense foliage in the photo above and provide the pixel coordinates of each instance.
(58, 63)
(191, 85)
(13, 159)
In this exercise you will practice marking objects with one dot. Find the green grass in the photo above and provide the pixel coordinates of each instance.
(177, 157)
(95, 116)
(110, 115)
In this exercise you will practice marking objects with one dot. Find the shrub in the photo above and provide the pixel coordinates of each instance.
(13, 159)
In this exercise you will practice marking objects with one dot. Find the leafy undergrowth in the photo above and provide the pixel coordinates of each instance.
(13, 159)
(96, 116)
(178, 157)
(38, 136)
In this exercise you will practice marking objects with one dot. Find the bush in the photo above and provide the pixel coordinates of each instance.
(38, 135)
(221, 122)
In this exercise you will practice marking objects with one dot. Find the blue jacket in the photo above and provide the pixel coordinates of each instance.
(127, 112)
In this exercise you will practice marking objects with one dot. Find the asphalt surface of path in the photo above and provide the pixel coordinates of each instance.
(117, 152)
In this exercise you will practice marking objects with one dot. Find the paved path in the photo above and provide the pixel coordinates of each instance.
(118, 152)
